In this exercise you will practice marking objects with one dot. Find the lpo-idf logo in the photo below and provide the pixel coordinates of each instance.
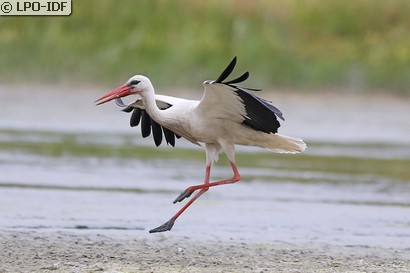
(35, 7)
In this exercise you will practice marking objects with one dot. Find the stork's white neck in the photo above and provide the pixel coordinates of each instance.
(150, 104)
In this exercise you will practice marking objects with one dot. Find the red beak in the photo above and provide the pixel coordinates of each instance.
(122, 91)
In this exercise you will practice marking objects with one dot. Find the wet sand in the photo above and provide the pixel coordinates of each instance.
(62, 251)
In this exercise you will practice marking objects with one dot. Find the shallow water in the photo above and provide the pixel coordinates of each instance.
(109, 180)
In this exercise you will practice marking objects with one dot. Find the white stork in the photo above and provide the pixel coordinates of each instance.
(227, 114)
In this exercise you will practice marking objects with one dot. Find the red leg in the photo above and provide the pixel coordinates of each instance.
(203, 188)
(170, 223)
(185, 194)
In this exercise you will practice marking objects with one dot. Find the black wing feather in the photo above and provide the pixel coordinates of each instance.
(275, 110)
(135, 117)
(139, 115)
(156, 132)
(145, 124)
(260, 115)
(244, 88)
(169, 136)
(228, 70)
(242, 78)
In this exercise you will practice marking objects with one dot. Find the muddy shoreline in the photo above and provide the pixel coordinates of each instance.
(93, 251)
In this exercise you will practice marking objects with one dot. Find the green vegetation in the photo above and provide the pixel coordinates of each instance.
(79, 145)
(308, 44)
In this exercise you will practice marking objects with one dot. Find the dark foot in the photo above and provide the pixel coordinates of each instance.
(165, 227)
(183, 195)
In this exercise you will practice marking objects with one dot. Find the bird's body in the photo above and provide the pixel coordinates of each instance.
(198, 125)
(227, 115)
(217, 121)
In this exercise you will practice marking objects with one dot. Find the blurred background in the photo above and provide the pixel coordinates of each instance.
(354, 45)
(339, 71)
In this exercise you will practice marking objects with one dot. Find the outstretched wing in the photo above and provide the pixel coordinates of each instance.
(148, 125)
(227, 100)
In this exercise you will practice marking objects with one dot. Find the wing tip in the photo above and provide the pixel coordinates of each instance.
(227, 71)
(232, 83)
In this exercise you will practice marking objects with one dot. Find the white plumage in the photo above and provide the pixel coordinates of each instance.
(226, 115)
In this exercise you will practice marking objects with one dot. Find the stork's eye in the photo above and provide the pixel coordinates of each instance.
(134, 82)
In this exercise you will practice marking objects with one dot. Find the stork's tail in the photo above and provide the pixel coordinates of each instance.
(284, 144)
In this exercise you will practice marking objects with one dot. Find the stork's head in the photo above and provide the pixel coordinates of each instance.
(135, 85)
